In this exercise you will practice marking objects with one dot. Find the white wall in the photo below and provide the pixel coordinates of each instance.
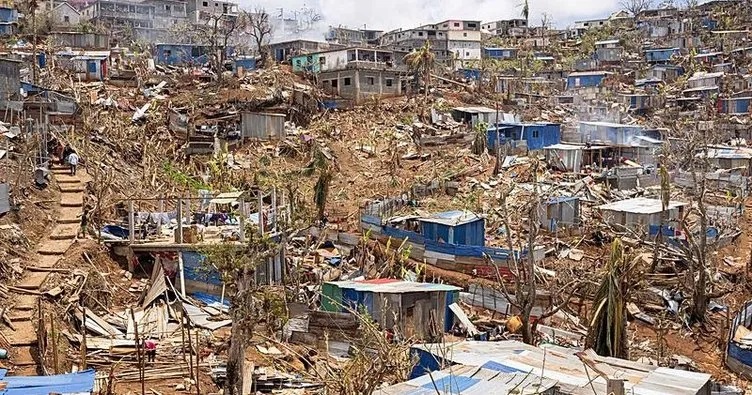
(464, 35)
(334, 60)
(465, 50)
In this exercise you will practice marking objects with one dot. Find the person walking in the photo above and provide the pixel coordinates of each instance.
(151, 349)
(84, 229)
(73, 162)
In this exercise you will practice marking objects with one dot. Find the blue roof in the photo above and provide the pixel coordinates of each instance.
(71, 383)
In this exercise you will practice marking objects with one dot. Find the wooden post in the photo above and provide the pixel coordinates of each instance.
(614, 386)
(181, 267)
(261, 211)
(190, 347)
(182, 332)
(241, 220)
(159, 221)
(83, 343)
(198, 376)
(179, 237)
(273, 214)
(131, 222)
(54, 344)
(139, 356)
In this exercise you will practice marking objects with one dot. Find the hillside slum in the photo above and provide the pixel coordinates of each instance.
(566, 214)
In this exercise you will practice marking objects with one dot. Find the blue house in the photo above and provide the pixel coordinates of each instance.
(537, 135)
(585, 79)
(247, 63)
(660, 55)
(734, 105)
(409, 305)
(8, 21)
(185, 54)
(500, 53)
(455, 227)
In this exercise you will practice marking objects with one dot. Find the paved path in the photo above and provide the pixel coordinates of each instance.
(23, 314)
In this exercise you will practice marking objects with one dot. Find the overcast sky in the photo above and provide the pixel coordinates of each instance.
(392, 14)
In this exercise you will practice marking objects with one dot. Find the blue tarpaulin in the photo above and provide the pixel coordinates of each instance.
(81, 382)
(209, 299)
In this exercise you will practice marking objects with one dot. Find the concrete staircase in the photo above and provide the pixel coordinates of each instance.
(24, 315)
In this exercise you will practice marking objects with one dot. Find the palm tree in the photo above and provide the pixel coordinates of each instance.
(525, 13)
(320, 163)
(607, 334)
(421, 62)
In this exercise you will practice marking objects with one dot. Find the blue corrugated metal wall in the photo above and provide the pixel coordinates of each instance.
(472, 233)
(427, 362)
(585, 81)
(195, 269)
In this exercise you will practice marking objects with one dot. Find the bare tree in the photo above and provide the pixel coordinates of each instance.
(524, 268)
(238, 264)
(260, 29)
(636, 6)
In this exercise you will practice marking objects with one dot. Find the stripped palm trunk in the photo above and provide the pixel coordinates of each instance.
(607, 334)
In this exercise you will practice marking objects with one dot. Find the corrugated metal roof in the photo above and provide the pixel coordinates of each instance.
(227, 197)
(393, 286)
(611, 125)
(475, 110)
(564, 147)
(587, 73)
(640, 205)
(471, 380)
(563, 367)
(701, 75)
(452, 218)
(607, 42)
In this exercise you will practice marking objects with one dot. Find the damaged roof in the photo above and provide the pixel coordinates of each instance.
(452, 218)
(393, 286)
(570, 368)
(640, 205)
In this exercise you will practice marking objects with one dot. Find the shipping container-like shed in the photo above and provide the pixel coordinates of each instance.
(459, 227)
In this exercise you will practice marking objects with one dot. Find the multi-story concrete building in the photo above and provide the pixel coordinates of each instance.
(149, 20)
(356, 37)
(355, 73)
(454, 42)
(8, 21)
(514, 28)
(202, 10)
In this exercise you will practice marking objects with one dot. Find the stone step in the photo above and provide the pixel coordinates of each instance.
(25, 302)
(69, 215)
(43, 261)
(24, 335)
(72, 188)
(71, 200)
(33, 280)
(22, 356)
(64, 232)
(21, 315)
(66, 179)
(54, 247)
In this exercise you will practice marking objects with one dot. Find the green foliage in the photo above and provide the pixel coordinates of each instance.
(422, 62)
(181, 178)
(480, 138)
(320, 164)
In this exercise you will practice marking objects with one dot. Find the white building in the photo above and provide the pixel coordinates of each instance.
(451, 40)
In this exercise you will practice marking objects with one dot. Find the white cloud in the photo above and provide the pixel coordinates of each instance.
(392, 14)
